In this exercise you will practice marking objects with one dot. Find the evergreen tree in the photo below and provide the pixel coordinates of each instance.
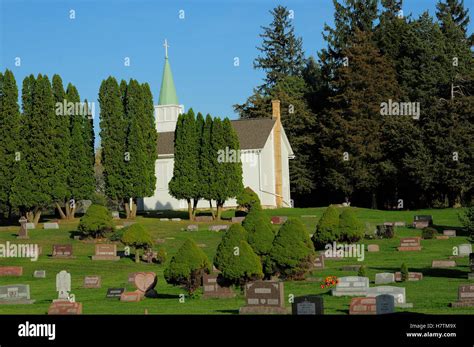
(201, 152)
(454, 10)
(206, 162)
(282, 52)
(113, 131)
(184, 184)
(10, 146)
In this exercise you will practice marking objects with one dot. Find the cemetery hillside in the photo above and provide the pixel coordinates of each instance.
(197, 165)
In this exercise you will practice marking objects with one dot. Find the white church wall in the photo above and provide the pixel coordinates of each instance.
(166, 117)
(285, 175)
(266, 188)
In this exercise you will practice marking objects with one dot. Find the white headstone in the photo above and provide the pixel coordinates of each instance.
(63, 285)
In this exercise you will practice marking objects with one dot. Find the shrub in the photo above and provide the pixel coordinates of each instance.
(99, 199)
(260, 231)
(96, 222)
(292, 253)
(362, 271)
(230, 240)
(350, 228)
(161, 256)
(385, 231)
(428, 233)
(404, 272)
(187, 267)
(467, 220)
(243, 266)
(248, 199)
(327, 230)
(138, 237)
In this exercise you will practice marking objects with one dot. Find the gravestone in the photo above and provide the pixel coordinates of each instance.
(23, 232)
(92, 282)
(470, 275)
(409, 244)
(465, 296)
(30, 226)
(54, 225)
(422, 221)
(164, 219)
(399, 293)
(351, 267)
(203, 219)
(384, 278)
(442, 237)
(318, 263)
(145, 283)
(115, 215)
(218, 227)
(63, 285)
(176, 219)
(114, 293)
(412, 276)
(104, 251)
(11, 271)
(192, 227)
(277, 220)
(373, 248)
(363, 306)
(449, 233)
(131, 277)
(264, 297)
(400, 224)
(385, 304)
(62, 251)
(443, 264)
(65, 308)
(465, 249)
(39, 274)
(14, 294)
(131, 296)
(237, 219)
(308, 305)
(212, 287)
(351, 286)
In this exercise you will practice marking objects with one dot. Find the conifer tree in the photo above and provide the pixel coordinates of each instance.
(10, 146)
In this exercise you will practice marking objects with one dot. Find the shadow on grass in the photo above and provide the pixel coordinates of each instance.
(228, 311)
(459, 230)
(450, 273)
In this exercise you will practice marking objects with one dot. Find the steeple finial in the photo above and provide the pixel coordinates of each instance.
(166, 48)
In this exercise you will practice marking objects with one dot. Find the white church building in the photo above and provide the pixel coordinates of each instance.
(265, 153)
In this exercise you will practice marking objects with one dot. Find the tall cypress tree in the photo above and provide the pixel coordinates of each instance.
(9, 137)
(184, 184)
(113, 131)
(201, 152)
(206, 162)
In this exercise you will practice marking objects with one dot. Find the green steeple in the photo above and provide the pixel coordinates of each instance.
(168, 91)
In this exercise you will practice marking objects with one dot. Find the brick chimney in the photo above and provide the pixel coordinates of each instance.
(277, 153)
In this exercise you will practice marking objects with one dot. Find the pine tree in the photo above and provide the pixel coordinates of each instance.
(455, 10)
(9, 137)
(282, 52)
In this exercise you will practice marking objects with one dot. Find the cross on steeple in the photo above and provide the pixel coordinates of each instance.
(166, 48)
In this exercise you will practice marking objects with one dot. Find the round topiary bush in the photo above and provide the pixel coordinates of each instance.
(187, 267)
(260, 231)
(96, 222)
(248, 199)
(327, 230)
(292, 253)
(350, 227)
(138, 237)
(404, 272)
(243, 265)
(428, 233)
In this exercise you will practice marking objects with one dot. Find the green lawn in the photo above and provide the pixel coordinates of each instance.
(431, 295)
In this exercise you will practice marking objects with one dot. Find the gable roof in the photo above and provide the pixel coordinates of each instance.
(252, 134)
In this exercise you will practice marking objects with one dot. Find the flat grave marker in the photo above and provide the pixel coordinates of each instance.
(15, 294)
(409, 244)
(105, 251)
(92, 281)
(11, 271)
(351, 286)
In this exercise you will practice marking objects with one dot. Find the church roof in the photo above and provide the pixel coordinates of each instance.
(252, 134)
(168, 94)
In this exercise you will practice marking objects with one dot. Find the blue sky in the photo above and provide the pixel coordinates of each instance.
(203, 45)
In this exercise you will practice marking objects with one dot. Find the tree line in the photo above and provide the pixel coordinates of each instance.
(200, 172)
(46, 150)
(384, 116)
